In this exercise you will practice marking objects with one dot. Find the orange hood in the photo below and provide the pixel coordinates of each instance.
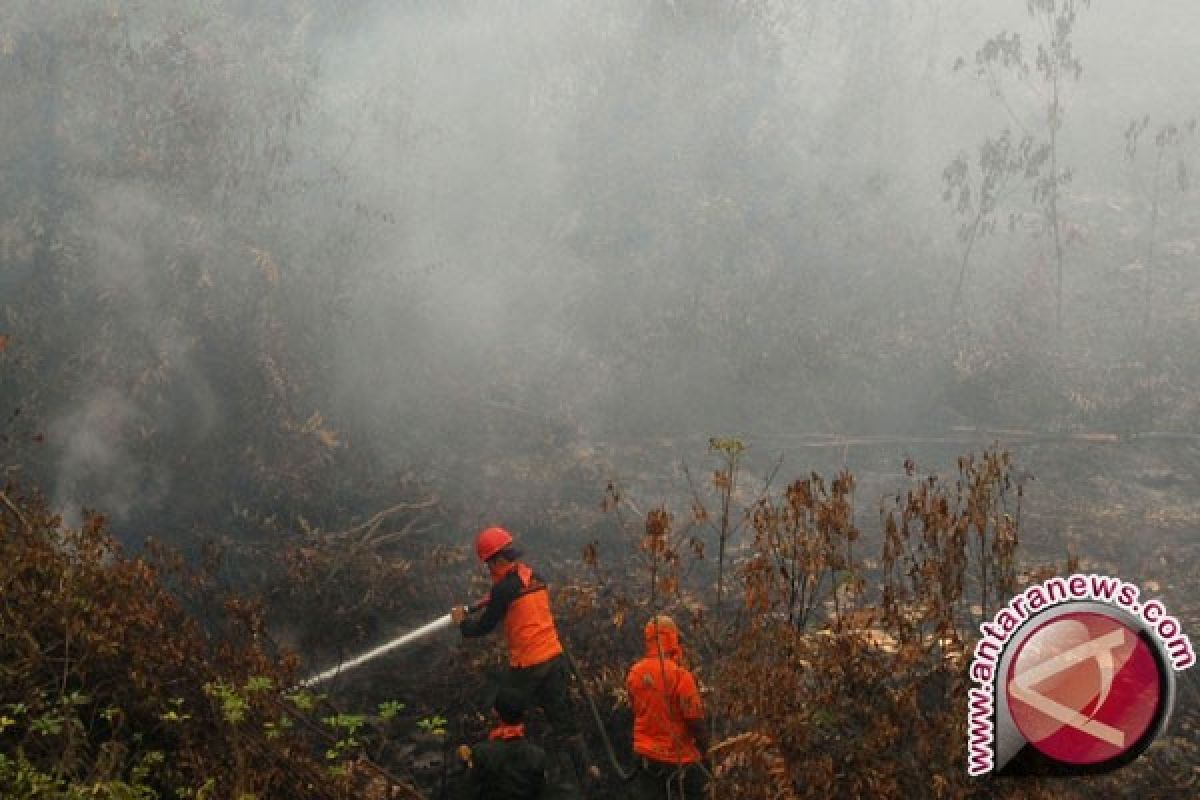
(662, 638)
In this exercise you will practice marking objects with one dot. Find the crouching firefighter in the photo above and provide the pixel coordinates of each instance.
(537, 666)
(669, 733)
(507, 766)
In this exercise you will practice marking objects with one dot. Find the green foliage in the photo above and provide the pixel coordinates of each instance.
(304, 700)
(175, 714)
(347, 723)
(389, 709)
(346, 728)
(434, 725)
(21, 780)
(731, 447)
(233, 704)
(47, 725)
(277, 728)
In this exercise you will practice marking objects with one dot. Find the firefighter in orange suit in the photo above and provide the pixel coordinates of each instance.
(537, 668)
(669, 734)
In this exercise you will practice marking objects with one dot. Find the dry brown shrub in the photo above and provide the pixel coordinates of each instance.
(106, 677)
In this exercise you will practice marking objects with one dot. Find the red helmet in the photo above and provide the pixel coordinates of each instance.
(491, 541)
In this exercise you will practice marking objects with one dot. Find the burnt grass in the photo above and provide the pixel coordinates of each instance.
(1118, 505)
(1124, 506)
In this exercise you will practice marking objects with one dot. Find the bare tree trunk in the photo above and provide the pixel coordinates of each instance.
(1058, 251)
(1148, 283)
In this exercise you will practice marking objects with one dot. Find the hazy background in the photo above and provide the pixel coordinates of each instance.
(271, 260)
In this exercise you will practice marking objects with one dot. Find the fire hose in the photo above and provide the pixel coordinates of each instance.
(623, 774)
(447, 621)
(441, 623)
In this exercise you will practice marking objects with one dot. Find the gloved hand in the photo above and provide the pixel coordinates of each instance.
(458, 614)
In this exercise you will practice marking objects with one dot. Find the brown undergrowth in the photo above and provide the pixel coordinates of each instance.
(828, 672)
(110, 689)
(832, 653)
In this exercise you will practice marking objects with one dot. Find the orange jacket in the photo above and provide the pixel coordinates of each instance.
(529, 625)
(664, 698)
(520, 599)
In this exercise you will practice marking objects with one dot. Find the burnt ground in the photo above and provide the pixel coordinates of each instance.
(1124, 506)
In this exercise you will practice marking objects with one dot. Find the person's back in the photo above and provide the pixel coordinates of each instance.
(508, 769)
(507, 766)
(668, 724)
(520, 602)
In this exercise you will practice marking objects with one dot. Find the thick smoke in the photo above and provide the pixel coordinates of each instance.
(505, 227)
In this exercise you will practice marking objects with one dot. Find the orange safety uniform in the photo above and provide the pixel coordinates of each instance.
(521, 601)
(529, 625)
(664, 698)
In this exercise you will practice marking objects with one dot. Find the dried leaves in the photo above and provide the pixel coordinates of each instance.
(754, 749)
(850, 677)
(102, 659)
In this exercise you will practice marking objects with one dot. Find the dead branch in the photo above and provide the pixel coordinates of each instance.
(16, 511)
(373, 524)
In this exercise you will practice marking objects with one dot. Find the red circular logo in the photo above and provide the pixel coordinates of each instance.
(1084, 688)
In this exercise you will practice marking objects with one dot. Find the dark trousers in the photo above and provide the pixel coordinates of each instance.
(658, 781)
(545, 685)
